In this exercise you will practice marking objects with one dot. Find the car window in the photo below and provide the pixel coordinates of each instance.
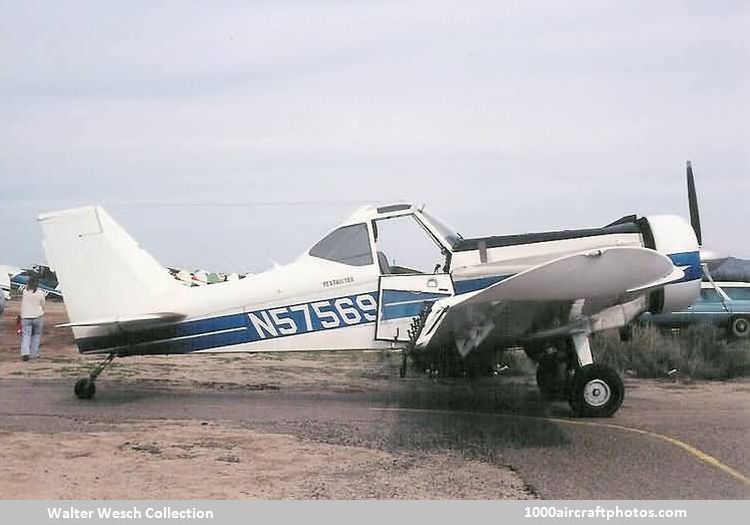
(346, 245)
(710, 295)
(739, 294)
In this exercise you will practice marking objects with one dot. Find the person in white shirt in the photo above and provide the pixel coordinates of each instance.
(32, 319)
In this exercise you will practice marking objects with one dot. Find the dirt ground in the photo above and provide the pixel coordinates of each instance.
(171, 460)
(214, 459)
(336, 425)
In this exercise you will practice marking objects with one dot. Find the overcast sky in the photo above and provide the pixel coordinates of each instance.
(225, 134)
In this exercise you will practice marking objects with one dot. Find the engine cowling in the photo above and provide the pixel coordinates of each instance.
(674, 237)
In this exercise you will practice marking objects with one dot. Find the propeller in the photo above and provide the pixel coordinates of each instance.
(709, 258)
(695, 216)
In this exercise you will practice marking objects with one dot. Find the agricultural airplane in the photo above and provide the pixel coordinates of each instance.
(547, 292)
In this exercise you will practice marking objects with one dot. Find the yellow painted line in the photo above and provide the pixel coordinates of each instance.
(702, 456)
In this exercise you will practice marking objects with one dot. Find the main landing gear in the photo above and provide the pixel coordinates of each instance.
(592, 390)
(85, 387)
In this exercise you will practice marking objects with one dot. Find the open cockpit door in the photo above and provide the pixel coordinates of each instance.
(402, 298)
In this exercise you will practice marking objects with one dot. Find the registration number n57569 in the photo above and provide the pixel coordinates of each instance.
(311, 317)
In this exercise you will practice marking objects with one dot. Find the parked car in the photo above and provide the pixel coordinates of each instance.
(726, 305)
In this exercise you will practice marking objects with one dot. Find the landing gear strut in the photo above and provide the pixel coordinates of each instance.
(85, 387)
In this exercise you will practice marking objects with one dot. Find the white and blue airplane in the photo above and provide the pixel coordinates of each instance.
(48, 282)
(547, 292)
(14, 278)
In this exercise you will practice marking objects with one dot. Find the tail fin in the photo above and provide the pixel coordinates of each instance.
(103, 273)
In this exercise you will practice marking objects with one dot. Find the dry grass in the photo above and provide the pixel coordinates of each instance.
(697, 352)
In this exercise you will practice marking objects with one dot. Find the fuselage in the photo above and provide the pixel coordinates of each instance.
(343, 295)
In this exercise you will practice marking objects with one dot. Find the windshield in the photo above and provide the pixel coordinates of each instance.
(447, 233)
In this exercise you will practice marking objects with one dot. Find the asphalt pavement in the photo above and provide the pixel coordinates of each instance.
(667, 442)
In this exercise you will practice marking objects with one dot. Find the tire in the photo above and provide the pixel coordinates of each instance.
(85, 388)
(740, 327)
(549, 379)
(596, 391)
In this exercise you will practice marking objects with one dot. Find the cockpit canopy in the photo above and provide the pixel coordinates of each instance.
(358, 241)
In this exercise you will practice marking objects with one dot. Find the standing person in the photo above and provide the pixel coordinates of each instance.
(2, 301)
(32, 319)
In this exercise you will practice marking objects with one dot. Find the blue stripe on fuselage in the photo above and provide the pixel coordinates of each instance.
(239, 328)
(161, 335)
(470, 285)
(690, 262)
(398, 304)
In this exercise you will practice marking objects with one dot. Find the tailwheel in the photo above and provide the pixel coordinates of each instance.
(551, 378)
(596, 391)
(85, 388)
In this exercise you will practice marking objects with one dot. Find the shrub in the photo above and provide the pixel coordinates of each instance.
(697, 352)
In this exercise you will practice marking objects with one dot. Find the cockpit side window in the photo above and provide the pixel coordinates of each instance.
(346, 245)
(404, 246)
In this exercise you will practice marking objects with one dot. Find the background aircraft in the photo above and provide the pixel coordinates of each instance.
(48, 282)
(203, 277)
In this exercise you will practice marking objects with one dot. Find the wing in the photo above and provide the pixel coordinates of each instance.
(535, 299)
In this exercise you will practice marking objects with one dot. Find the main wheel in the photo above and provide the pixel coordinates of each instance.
(740, 327)
(85, 388)
(596, 391)
(549, 378)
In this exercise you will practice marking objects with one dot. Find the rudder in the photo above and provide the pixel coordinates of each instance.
(103, 272)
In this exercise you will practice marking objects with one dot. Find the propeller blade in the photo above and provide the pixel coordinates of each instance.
(695, 218)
